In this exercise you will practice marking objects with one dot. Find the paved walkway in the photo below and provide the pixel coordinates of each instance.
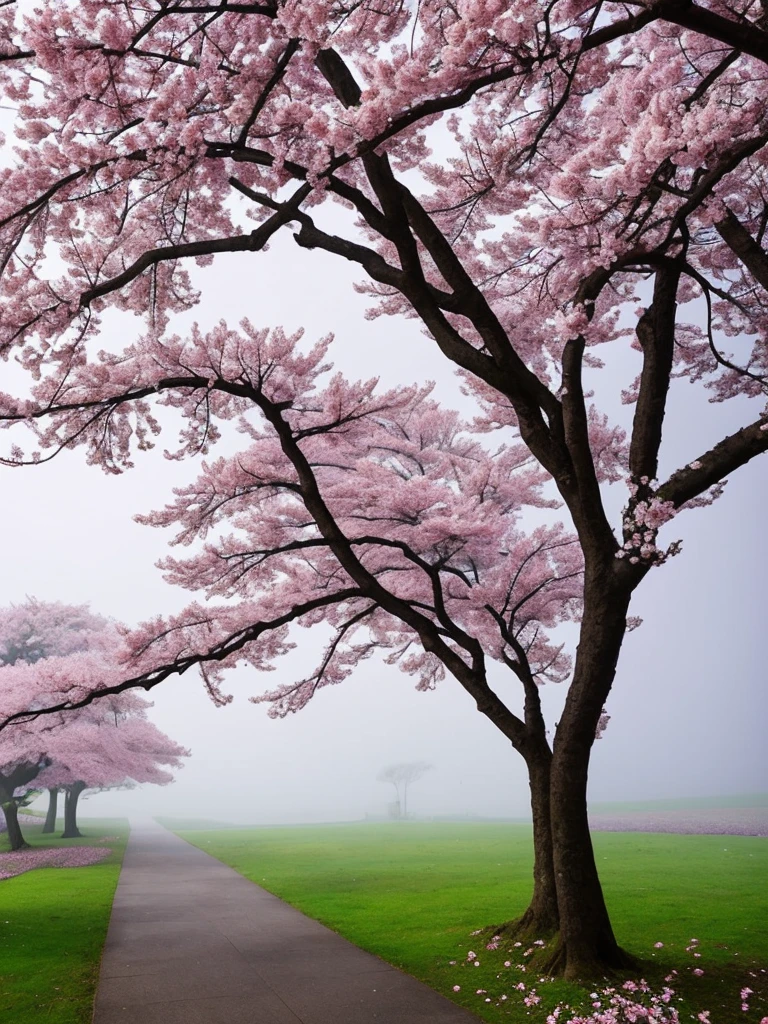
(192, 942)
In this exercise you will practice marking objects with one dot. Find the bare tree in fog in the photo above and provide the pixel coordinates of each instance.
(400, 775)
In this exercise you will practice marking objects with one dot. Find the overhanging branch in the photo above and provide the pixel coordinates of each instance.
(715, 465)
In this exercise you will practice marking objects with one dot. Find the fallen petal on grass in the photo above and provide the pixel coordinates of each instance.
(16, 863)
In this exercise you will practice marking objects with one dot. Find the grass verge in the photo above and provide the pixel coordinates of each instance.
(53, 922)
(414, 893)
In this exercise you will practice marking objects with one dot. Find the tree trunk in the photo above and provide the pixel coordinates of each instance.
(541, 919)
(15, 837)
(587, 948)
(71, 831)
(50, 817)
(542, 915)
(17, 777)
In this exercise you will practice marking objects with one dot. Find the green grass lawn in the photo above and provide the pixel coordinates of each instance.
(413, 893)
(53, 922)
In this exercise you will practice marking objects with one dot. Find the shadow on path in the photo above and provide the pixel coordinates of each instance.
(192, 942)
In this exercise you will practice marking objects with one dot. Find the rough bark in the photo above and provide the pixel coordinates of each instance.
(542, 915)
(15, 836)
(541, 919)
(587, 948)
(50, 817)
(71, 831)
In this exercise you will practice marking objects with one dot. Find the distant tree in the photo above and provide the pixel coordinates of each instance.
(401, 776)
(29, 632)
(109, 748)
(38, 629)
(104, 744)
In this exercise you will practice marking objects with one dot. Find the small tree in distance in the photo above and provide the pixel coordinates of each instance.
(401, 775)
(45, 649)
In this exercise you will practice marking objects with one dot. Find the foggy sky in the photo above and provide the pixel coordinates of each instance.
(688, 706)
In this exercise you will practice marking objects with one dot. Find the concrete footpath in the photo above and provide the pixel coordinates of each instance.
(192, 942)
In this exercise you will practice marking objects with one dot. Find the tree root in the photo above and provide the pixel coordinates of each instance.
(528, 928)
(557, 963)
(552, 959)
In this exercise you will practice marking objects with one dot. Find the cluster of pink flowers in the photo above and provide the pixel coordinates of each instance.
(611, 1006)
(62, 857)
(642, 521)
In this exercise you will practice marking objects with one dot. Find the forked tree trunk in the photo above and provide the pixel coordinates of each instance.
(587, 947)
(50, 817)
(15, 837)
(71, 831)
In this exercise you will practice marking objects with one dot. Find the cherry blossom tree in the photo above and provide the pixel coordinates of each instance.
(103, 744)
(31, 631)
(379, 515)
(38, 629)
(602, 183)
(108, 744)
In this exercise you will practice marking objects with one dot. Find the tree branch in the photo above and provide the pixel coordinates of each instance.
(743, 245)
(744, 36)
(713, 466)
(656, 333)
(252, 242)
(219, 652)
